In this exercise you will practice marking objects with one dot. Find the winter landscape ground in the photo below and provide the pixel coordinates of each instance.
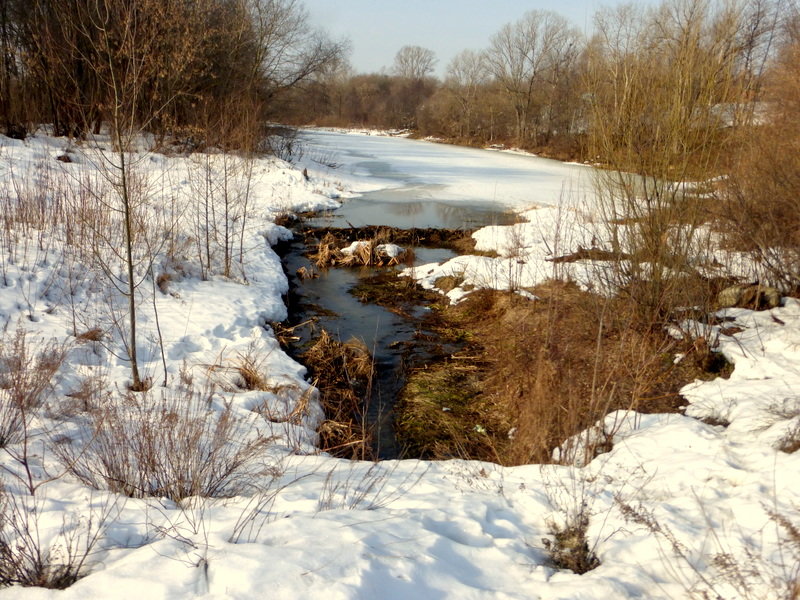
(238, 503)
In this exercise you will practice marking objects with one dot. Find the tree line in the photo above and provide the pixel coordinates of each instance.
(214, 72)
(181, 68)
(543, 84)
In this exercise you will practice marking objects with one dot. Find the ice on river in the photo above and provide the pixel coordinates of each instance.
(444, 172)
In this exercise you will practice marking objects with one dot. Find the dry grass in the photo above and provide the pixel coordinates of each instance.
(30, 558)
(569, 548)
(535, 374)
(172, 445)
(732, 572)
(368, 253)
(343, 374)
(290, 393)
(790, 443)
(568, 360)
(442, 415)
(246, 371)
(90, 335)
(251, 371)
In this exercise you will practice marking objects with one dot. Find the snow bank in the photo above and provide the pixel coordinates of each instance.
(675, 507)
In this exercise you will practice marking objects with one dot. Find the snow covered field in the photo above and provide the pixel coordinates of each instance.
(676, 508)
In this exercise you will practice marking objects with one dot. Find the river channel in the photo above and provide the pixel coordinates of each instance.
(405, 184)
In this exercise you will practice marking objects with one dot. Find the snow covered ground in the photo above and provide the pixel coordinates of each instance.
(676, 508)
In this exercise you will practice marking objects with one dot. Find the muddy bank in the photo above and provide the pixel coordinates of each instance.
(459, 241)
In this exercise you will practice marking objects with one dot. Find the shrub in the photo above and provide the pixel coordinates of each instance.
(171, 446)
(26, 377)
(28, 557)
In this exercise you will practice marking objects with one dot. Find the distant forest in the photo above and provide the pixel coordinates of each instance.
(542, 85)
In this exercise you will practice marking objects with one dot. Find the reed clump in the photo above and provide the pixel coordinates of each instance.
(343, 373)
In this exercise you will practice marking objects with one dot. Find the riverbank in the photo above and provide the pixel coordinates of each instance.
(679, 505)
(569, 153)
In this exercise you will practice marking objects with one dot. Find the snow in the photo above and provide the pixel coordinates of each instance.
(368, 162)
(525, 253)
(311, 526)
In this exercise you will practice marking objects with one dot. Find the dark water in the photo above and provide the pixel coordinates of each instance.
(389, 337)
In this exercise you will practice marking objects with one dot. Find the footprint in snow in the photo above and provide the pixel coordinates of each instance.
(461, 531)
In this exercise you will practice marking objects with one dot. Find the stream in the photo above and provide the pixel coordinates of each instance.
(388, 336)
(420, 185)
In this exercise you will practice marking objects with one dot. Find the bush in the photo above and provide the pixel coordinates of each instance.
(29, 557)
(171, 446)
(26, 378)
(759, 198)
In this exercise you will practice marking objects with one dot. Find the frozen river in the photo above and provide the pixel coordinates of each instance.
(412, 183)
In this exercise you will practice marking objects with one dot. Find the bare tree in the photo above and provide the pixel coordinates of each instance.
(8, 69)
(466, 74)
(120, 46)
(663, 83)
(527, 56)
(288, 50)
(414, 62)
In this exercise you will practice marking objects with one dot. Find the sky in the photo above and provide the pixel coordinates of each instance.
(377, 29)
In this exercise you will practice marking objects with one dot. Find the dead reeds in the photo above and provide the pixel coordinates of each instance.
(361, 253)
(343, 374)
(537, 373)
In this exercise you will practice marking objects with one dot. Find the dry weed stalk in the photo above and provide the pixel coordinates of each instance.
(369, 489)
(26, 380)
(742, 572)
(30, 557)
(133, 448)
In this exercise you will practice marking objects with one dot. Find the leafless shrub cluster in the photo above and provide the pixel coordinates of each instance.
(27, 373)
(170, 445)
(660, 79)
(33, 555)
(758, 199)
(222, 188)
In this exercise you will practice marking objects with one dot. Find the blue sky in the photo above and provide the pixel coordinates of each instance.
(379, 28)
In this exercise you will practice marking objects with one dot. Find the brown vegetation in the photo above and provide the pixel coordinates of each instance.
(193, 63)
(342, 371)
(535, 373)
(134, 450)
(27, 374)
(363, 253)
(759, 198)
